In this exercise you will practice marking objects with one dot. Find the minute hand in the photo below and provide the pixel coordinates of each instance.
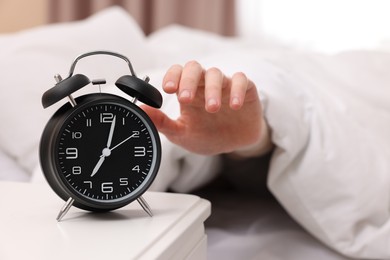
(128, 138)
(110, 134)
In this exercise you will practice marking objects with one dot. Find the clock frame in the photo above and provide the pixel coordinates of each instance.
(100, 152)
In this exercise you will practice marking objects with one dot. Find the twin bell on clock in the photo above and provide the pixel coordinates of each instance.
(99, 151)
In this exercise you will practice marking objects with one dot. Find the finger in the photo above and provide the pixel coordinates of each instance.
(213, 89)
(172, 78)
(191, 78)
(240, 85)
(162, 122)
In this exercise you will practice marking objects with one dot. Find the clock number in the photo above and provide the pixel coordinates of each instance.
(71, 153)
(89, 122)
(76, 170)
(107, 187)
(139, 151)
(106, 117)
(89, 183)
(76, 135)
(123, 181)
(135, 134)
(136, 168)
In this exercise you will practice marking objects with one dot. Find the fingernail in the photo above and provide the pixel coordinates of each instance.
(235, 101)
(169, 84)
(185, 94)
(212, 103)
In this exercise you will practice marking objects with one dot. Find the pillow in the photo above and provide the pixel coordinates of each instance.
(29, 59)
(179, 44)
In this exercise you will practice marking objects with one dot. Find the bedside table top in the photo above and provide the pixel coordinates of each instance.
(29, 229)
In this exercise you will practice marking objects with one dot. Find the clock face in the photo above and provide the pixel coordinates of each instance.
(107, 152)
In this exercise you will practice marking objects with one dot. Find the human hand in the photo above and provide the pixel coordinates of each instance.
(218, 114)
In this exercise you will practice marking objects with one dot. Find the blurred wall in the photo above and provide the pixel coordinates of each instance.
(16, 15)
(213, 15)
(216, 16)
(321, 25)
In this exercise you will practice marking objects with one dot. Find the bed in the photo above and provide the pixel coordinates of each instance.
(326, 195)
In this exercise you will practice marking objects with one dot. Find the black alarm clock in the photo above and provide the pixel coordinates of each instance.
(99, 151)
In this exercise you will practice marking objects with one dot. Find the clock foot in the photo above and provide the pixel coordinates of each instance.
(145, 205)
(65, 209)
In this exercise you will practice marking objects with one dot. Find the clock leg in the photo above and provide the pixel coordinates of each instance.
(65, 209)
(145, 205)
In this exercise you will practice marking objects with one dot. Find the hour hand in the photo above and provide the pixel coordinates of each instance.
(105, 153)
(98, 165)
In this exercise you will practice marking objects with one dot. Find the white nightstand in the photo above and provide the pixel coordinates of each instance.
(29, 230)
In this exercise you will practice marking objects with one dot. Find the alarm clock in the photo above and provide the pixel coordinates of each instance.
(100, 151)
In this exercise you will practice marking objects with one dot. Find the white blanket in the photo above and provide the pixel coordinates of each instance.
(329, 115)
(330, 121)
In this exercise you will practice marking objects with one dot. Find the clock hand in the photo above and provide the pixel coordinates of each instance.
(106, 151)
(128, 138)
(111, 132)
(98, 165)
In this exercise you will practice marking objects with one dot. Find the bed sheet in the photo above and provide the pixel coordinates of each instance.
(246, 226)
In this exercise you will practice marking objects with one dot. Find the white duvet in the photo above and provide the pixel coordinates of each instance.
(330, 121)
(329, 116)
